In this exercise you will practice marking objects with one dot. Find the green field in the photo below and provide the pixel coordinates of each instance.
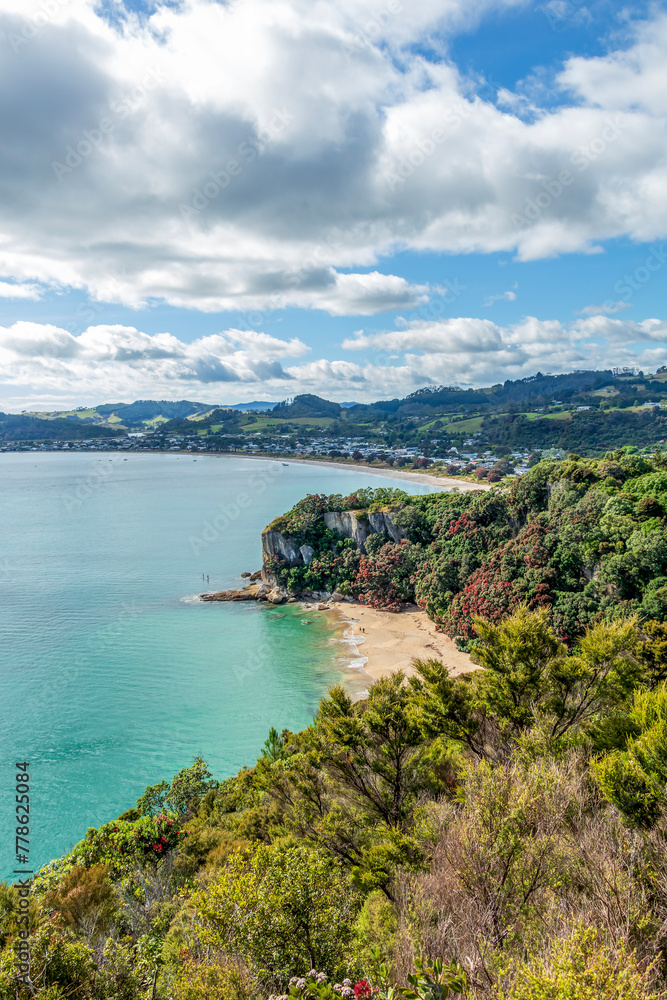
(273, 423)
(565, 415)
(468, 426)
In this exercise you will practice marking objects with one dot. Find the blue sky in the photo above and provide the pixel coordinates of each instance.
(353, 198)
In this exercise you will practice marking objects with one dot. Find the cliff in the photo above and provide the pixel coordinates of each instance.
(354, 524)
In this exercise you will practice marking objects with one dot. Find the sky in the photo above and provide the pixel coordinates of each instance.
(356, 198)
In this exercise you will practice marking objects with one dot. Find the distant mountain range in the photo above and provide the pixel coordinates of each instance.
(518, 404)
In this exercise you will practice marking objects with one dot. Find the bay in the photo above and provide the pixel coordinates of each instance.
(112, 674)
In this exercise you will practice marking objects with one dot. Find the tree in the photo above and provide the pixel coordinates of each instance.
(529, 678)
(516, 655)
(634, 779)
(154, 799)
(375, 755)
(350, 783)
(581, 965)
(84, 900)
(282, 909)
(189, 784)
(384, 579)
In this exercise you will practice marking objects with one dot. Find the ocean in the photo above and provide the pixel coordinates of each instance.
(112, 673)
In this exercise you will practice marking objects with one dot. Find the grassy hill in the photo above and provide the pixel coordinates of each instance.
(586, 412)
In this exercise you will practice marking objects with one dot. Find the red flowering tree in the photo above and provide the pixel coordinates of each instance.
(385, 581)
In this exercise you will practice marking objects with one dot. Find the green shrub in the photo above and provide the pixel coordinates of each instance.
(281, 909)
(219, 979)
(581, 967)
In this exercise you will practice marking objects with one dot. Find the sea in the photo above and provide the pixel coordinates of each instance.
(113, 674)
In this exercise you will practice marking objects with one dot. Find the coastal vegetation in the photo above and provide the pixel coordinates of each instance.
(499, 835)
(583, 537)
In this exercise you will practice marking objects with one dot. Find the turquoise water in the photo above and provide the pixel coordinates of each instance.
(112, 674)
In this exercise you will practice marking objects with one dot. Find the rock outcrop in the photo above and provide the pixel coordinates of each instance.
(354, 524)
(359, 525)
(253, 592)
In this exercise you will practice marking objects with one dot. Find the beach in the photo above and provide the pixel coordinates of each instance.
(386, 642)
(442, 483)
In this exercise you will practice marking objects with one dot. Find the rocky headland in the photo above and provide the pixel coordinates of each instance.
(263, 585)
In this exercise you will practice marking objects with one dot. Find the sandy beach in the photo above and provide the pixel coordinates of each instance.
(437, 482)
(387, 642)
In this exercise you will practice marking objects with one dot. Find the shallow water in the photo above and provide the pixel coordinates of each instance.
(112, 674)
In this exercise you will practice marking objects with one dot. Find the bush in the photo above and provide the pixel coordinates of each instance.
(281, 909)
(581, 967)
(220, 979)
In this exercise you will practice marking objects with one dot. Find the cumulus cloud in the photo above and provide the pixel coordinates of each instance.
(119, 362)
(476, 351)
(253, 154)
(11, 291)
(608, 308)
(126, 362)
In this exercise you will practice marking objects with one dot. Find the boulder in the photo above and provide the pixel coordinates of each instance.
(275, 596)
(322, 607)
(245, 576)
(336, 597)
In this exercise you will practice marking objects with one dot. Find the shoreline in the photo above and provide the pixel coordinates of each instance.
(390, 641)
(441, 483)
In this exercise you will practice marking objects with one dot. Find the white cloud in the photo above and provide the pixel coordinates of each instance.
(630, 78)
(479, 352)
(508, 296)
(8, 290)
(112, 362)
(125, 362)
(333, 144)
(607, 308)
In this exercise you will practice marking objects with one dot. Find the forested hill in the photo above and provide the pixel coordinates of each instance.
(534, 390)
(587, 411)
(26, 427)
(584, 538)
